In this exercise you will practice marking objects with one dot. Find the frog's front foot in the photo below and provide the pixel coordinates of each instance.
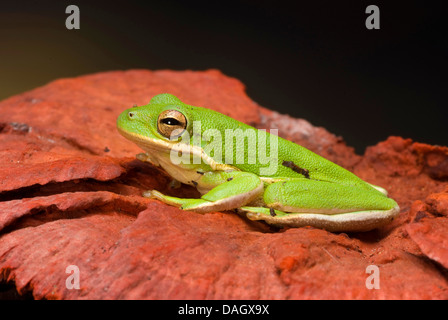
(184, 204)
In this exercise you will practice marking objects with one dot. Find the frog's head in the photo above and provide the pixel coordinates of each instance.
(157, 125)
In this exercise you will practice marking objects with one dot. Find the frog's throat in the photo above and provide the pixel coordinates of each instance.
(151, 145)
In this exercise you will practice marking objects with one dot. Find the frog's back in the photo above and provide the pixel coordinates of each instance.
(293, 161)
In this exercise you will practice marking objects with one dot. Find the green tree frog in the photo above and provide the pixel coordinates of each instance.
(235, 166)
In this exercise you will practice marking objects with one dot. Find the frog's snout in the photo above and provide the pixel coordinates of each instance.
(125, 117)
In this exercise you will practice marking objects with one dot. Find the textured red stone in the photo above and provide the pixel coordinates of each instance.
(438, 203)
(430, 236)
(70, 195)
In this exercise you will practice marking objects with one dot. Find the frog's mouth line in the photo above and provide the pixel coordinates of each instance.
(145, 142)
(158, 145)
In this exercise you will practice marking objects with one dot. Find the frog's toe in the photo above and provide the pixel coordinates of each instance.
(154, 194)
(148, 194)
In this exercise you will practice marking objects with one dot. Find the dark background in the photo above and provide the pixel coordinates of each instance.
(315, 60)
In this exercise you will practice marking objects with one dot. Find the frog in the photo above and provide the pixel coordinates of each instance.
(293, 187)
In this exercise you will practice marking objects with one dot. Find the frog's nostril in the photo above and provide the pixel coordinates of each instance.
(131, 115)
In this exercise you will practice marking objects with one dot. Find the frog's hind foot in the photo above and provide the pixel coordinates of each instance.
(342, 222)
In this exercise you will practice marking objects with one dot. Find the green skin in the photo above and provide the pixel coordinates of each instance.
(306, 189)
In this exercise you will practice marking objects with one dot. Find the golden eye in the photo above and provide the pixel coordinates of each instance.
(171, 124)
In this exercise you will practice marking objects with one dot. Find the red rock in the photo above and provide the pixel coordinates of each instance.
(69, 201)
(30, 157)
(70, 195)
(430, 226)
(419, 210)
(438, 203)
(430, 235)
(434, 159)
(397, 165)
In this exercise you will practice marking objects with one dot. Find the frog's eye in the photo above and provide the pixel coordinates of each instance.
(171, 124)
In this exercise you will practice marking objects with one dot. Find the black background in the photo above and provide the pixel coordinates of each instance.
(315, 60)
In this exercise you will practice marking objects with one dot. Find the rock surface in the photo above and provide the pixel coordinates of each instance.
(70, 195)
